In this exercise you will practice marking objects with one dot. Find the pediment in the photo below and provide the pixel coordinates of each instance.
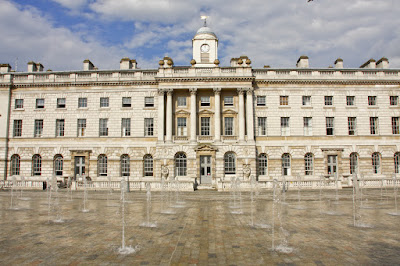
(182, 112)
(206, 112)
(229, 112)
(205, 148)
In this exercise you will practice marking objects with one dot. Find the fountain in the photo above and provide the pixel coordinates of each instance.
(85, 194)
(69, 186)
(299, 205)
(23, 183)
(237, 189)
(357, 204)
(396, 212)
(56, 201)
(178, 202)
(253, 207)
(166, 190)
(110, 194)
(383, 188)
(147, 223)
(13, 205)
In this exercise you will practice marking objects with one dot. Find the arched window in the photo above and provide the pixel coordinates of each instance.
(102, 165)
(309, 164)
(148, 165)
(180, 164)
(58, 165)
(36, 165)
(125, 165)
(262, 164)
(397, 163)
(353, 163)
(230, 163)
(15, 164)
(376, 163)
(286, 164)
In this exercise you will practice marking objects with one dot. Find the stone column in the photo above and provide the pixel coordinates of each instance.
(217, 98)
(169, 115)
(241, 114)
(160, 129)
(249, 113)
(193, 115)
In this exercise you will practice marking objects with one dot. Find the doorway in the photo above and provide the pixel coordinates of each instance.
(332, 165)
(205, 169)
(80, 166)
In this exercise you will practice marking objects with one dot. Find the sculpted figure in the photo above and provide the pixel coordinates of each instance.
(164, 172)
(246, 171)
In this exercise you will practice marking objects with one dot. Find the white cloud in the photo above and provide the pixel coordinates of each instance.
(72, 4)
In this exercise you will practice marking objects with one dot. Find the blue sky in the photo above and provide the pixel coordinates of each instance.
(62, 33)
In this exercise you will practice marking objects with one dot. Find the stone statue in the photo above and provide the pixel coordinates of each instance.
(164, 172)
(246, 171)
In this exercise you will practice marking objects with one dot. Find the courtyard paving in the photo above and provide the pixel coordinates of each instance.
(312, 228)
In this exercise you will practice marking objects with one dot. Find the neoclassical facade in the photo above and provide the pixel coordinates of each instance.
(203, 123)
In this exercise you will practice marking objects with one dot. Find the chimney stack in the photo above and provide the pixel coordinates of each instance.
(302, 62)
(339, 63)
(127, 63)
(369, 64)
(5, 68)
(87, 65)
(382, 63)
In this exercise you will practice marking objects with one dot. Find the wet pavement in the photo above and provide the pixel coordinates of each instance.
(203, 228)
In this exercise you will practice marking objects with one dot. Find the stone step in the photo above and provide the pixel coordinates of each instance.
(206, 187)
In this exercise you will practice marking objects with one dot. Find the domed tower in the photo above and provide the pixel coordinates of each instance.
(205, 47)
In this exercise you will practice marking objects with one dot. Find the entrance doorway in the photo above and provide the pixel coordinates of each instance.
(205, 169)
(332, 165)
(80, 166)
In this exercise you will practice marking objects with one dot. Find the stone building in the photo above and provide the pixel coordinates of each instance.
(202, 122)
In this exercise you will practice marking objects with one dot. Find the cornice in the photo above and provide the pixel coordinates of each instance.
(84, 84)
(204, 79)
(330, 82)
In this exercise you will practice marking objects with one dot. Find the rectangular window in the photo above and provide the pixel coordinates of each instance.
(205, 100)
(61, 103)
(261, 101)
(126, 102)
(17, 130)
(228, 101)
(228, 121)
(284, 100)
(330, 126)
(352, 125)
(19, 103)
(104, 102)
(81, 127)
(329, 100)
(395, 125)
(307, 124)
(285, 129)
(373, 125)
(262, 126)
(350, 100)
(126, 127)
(82, 102)
(148, 127)
(148, 101)
(371, 100)
(60, 127)
(40, 103)
(182, 129)
(394, 100)
(38, 131)
(103, 127)
(181, 101)
(306, 100)
(205, 126)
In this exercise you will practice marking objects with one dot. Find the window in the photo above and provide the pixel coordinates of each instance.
(395, 125)
(353, 163)
(285, 129)
(285, 164)
(61, 103)
(228, 126)
(40, 103)
(180, 164)
(58, 165)
(205, 126)
(230, 163)
(126, 127)
(284, 100)
(82, 102)
(126, 102)
(103, 127)
(148, 127)
(306, 100)
(81, 127)
(60, 126)
(36, 165)
(262, 126)
(19, 103)
(228, 101)
(205, 101)
(308, 164)
(373, 125)
(328, 100)
(352, 125)
(104, 102)
(394, 100)
(330, 126)
(125, 165)
(397, 163)
(307, 124)
(181, 101)
(262, 164)
(371, 100)
(17, 130)
(148, 165)
(376, 163)
(102, 165)
(38, 131)
(350, 100)
(181, 126)
(15, 164)
(148, 101)
(261, 101)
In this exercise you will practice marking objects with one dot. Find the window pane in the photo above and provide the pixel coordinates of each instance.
(81, 127)
(181, 101)
(148, 127)
(261, 101)
(19, 103)
(58, 165)
(102, 165)
(371, 100)
(228, 126)
(285, 129)
(149, 102)
(36, 165)
(205, 100)
(126, 102)
(373, 125)
(205, 126)
(306, 100)
(60, 126)
(285, 164)
(307, 123)
(82, 102)
(262, 164)
(38, 131)
(180, 164)
(126, 127)
(104, 102)
(228, 100)
(353, 163)
(376, 163)
(262, 126)
(39, 103)
(17, 130)
(103, 127)
(394, 100)
(181, 126)
(350, 100)
(328, 100)
(284, 100)
(148, 165)
(395, 125)
(352, 125)
(61, 103)
(125, 165)
(330, 126)
(230, 163)
(15, 164)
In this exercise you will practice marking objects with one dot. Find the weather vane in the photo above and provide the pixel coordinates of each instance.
(205, 20)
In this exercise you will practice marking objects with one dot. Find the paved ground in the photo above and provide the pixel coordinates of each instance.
(317, 230)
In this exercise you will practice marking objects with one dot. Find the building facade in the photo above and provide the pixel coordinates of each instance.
(201, 122)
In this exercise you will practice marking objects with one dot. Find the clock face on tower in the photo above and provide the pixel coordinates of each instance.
(205, 48)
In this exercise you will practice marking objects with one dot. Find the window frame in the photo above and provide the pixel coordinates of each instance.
(376, 163)
(350, 100)
(372, 100)
(374, 125)
(180, 164)
(61, 103)
(330, 126)
(148, 102)
(306, 100)
(396, 159)
(126, 102)
(104, 102)
(285, 126)
(307, 126)
(81, 127)
(40, 103)
(103, 127)
(230, 163)
(283, 100)
(181, 101)
(262, 126)
(205, 126)
(352, 125)
(82, 102)
(286, 164)
(261, 100)
(148, 165)
(125, 166)
(308, 164)
(395, 125)
(17, 128)
(38, 128)
(229, 102)
(328, 100)
(60, 127)
(353, 159)
(229, 126)
(262, 164)
(125, 127)
(394, 100)
(102, 165)
(15, 165)
(205, 101)
(58, 165)
(181, 126)
(148, 127)
(36, 165)
(19, 104)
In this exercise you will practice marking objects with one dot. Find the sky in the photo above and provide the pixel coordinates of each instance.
(60, 34)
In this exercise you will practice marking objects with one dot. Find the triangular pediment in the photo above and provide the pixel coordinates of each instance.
(205, 147)
(229, 112)
(206, 112)
(182, 112)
